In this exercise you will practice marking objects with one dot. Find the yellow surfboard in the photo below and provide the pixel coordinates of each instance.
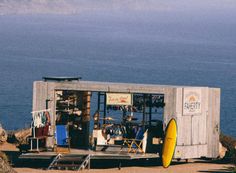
(169, 145)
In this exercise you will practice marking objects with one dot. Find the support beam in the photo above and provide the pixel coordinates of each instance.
(150, 109)
(86, 117)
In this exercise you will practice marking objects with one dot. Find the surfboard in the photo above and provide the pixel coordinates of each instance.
(169, 144)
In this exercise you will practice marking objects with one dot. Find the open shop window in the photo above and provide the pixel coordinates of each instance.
(112, 109)
(116, 121)
(72, 117)
(150, 108)
(147, 112)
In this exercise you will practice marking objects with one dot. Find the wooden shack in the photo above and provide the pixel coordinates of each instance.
(196, 110)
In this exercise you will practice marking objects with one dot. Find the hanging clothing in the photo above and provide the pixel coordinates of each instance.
(48, 120)
(37, 120)
(43, 118)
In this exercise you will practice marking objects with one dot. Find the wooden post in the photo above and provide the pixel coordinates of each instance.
(150, 109)
(86, 117)
(144, 110)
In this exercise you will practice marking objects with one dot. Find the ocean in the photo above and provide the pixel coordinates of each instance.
(149, 48)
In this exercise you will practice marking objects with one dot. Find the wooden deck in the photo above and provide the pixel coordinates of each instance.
(122, 155)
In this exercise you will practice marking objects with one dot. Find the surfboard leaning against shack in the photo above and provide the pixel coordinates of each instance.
(169, 143)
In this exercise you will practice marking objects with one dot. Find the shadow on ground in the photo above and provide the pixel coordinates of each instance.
(225, 170)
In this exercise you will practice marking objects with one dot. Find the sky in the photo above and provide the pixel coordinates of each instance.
(80, 6)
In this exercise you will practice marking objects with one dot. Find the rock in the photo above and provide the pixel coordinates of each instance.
(22, 135)
(3, 135)
(4, 166)
(222, 151)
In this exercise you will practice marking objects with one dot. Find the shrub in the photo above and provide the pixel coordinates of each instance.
(230, 143)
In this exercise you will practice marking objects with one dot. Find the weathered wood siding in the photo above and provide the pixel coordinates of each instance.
(41, 93)
(109, 87)
(213, 123)
(192, 128)
(198, 134)
(170, 105)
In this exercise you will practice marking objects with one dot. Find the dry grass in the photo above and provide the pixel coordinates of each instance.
(3, 156)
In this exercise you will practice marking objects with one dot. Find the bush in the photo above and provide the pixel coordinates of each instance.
(234, 156)
(230, 143)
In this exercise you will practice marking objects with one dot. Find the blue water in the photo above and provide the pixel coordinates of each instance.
(148, 48)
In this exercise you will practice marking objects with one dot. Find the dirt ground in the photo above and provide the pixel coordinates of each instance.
(181, 168)
(8, 147)
(194, 166)
(146, 166)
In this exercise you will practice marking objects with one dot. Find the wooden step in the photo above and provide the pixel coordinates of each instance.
(66, 166)
(74, 162)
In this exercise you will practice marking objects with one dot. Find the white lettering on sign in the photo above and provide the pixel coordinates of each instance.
(118, 99)
(192, 101)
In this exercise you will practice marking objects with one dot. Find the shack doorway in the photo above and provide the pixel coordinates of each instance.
(73, 113)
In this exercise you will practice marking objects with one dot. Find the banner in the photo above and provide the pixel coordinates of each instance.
(118, 99)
